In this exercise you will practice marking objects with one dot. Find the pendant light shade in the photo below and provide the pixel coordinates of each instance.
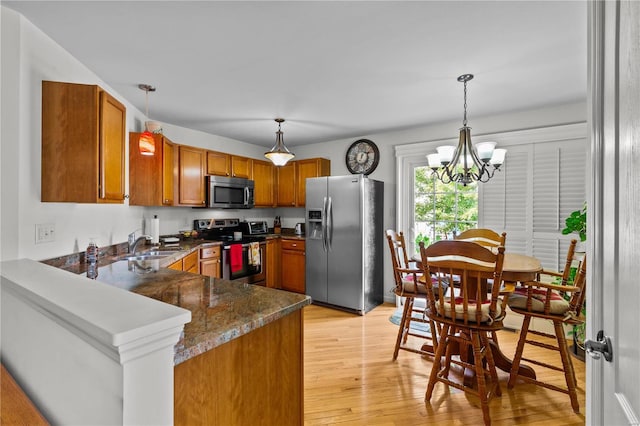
(147, 143)
(279, 154)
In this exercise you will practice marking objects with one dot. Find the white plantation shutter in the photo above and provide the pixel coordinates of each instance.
(504, 200)
(540, 184)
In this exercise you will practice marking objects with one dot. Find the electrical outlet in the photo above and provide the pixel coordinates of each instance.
(45, 232)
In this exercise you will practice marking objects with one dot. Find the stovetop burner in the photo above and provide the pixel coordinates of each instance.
(224, 229)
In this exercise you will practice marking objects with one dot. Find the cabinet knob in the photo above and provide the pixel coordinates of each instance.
(203, 202)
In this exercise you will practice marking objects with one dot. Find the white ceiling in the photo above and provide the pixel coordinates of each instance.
(333, 70)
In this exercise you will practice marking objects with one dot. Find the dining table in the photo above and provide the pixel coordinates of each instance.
(515, 268)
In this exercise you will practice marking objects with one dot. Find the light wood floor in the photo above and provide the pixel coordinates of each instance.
(350, 379)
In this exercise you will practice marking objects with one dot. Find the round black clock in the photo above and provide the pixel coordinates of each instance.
(362, 157)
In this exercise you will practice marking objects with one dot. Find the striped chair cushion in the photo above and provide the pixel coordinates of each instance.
(471, 309)
(518, 300)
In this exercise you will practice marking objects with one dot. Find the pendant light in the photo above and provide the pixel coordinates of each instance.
(147, 143)
(279, 154)
(465, 163)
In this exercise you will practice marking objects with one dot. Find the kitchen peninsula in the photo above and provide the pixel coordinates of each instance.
(238, 360)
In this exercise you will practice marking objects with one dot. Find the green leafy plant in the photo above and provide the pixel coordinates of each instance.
(577, 222)
(422, 238)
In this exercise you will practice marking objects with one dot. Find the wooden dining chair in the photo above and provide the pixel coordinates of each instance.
(484, 237)
(467, 316)
(560, 303)
(410, 287)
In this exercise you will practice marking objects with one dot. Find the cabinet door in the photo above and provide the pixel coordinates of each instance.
(168, 171)
(287, 185)
(210, 267)
(82, 144)
(112, 129)
(293, 270)
(313, 167)
(273, 262)
(240, 167)
(264, 176)
(177, 265)
(191, 164)
(144, 176)
(218, 163)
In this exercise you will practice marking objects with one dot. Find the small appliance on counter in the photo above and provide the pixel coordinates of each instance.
(299, 230)
(242, 259)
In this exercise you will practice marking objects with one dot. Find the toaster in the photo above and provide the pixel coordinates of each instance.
(299, 228)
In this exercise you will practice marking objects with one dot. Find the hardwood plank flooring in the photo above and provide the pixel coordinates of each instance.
(350, 379)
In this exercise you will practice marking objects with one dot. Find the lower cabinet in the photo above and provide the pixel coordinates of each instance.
(189, 263)
(273, 263)
(210, 261)
(293, 265)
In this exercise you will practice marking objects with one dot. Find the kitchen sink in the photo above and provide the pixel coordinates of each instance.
(144, 256)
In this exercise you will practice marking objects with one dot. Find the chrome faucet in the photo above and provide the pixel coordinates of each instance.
(134, 242)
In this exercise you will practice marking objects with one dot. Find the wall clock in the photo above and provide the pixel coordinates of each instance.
(362, 157)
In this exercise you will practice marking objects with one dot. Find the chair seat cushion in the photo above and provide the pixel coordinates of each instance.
(408, 285)
(472, 309)
(518, 300)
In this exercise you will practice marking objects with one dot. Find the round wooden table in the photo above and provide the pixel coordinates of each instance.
(515, 267)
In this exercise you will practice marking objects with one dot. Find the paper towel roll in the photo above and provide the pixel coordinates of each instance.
(155, 230)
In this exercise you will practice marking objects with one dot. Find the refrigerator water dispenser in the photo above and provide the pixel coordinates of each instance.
(314, 224)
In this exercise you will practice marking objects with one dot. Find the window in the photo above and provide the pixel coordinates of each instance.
(441, 211)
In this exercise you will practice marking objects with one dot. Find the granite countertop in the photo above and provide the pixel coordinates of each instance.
(221, 310)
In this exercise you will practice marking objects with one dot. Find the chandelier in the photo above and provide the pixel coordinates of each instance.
(465, 164)
(279, 154)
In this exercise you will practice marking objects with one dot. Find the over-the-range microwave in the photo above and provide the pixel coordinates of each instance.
(229, 193)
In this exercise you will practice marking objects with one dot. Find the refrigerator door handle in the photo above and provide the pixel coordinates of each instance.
(329, 223)
(324, 224)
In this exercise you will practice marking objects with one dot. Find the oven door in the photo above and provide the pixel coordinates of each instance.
(238, 264)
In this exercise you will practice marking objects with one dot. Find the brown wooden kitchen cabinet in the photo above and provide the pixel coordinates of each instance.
(151, 177)
(292, 179)
(191, 172)
(218, 163)
(273, 262)
(210, 261)
(309, 168)
(286, 188)
(264, 177)
(293, 267)
(240, 167)
(222, 164)
(83, 144)
(189, 263)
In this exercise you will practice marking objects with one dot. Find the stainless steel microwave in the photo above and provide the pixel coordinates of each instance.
(229, 193)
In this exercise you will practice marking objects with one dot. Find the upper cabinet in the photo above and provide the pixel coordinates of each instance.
(83, 144)
(292, 179)
(191, 173)
(310, 168)
(218, 163)
(151, 177)
(286, 186)
(240, 167)
(264, 176)
(221, 164)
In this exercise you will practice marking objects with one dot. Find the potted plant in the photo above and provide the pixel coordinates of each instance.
(576, 222)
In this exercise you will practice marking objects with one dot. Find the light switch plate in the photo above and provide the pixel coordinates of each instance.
(45, 232)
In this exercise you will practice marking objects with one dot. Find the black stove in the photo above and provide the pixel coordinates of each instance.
(241, 260)
(225, 230)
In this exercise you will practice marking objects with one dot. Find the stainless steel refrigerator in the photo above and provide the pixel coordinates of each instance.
(344, 243)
